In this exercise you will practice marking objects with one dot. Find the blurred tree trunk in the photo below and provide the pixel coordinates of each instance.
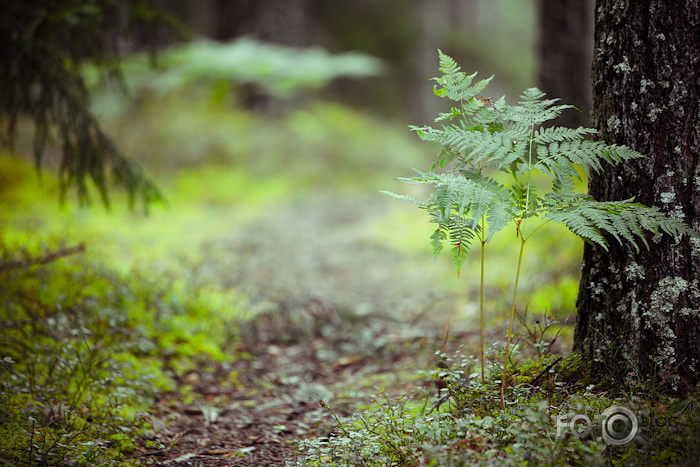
(565, 49)
(281, 21)
(433, 26)
(639, 314)
(284, 22)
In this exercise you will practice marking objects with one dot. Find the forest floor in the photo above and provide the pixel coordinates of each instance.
(317, 296)
(342, 319)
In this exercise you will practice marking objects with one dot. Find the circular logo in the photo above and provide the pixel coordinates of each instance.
(619, 425)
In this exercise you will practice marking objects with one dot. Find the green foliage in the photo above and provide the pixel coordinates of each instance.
(85, 352)
(470, 428)
(44, 44)
(278, 70)
(482, 137)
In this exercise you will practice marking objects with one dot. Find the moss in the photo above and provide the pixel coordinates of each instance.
(572, 369)
(14, 442)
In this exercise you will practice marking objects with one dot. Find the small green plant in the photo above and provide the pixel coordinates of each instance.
(481, 137)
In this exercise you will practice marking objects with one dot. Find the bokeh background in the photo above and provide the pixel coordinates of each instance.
(271, 127)
(275, 263)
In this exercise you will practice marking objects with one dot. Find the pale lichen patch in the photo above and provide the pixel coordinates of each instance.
(695, 247)
(623, 67)
(658, 317)
(667, 197)
(614, 123)
(677, 213)
(634, 271)
(654, 113)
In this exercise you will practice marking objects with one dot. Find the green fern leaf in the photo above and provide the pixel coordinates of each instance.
(478, 136)
(559, 134)
(410, 199)
(461, 237)
(455, 84)
(626, 220)
(436, 241)
(534, 110)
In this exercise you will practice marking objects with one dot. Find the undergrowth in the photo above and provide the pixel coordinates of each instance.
(463, 423)
(86, 352)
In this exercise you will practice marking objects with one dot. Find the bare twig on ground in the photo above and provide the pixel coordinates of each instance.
(38, 260)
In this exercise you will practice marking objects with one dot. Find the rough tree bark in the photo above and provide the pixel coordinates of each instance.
(639, 313)
(565, 52)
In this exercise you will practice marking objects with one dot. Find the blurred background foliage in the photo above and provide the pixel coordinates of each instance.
(269, 132)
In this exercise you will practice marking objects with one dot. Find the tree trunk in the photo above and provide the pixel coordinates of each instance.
(639, 313)
(565, 52)
(433, 25)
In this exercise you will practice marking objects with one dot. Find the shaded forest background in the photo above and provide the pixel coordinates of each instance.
(522, 43)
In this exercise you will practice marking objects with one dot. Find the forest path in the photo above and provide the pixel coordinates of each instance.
(338, 313)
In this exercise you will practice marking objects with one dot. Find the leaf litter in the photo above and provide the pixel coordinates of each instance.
(336, 315)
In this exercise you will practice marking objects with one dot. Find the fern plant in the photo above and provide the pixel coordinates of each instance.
(480, 137)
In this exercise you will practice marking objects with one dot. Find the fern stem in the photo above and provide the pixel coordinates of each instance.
(481, 306)
(510, 326)
(529, 172)
(483, 238)
(536, 229)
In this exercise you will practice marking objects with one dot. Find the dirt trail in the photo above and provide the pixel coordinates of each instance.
(337, 314)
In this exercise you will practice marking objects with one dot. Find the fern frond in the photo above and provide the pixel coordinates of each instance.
(427, 133)
(563, 179)
(588, 154)
(534, 110)
(452, 114)
(626, 220)
(580, 225)
(524, 200)
(478, 134)
(497, 218)
(613, 153)
(455, 84)
(461, 237)
(436, 241)
(445, 156)
(410, 199)
(483, 147)
(473, 197)
(559, 134)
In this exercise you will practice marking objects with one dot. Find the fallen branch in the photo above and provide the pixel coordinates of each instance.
(543, 372)
(38, 260)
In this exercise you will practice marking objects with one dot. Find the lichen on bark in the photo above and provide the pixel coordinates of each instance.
(641, 312)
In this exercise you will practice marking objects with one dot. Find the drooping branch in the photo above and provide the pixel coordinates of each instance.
(43, 47)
